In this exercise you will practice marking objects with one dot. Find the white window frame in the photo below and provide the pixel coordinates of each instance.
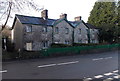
(29, 46)
(67, 42)
(93, 31)
(28, 28)
(56, 29)
(80, 41)
(45, 29)
(93, 40)
(66, 30)
(93, 35)
(86, 41)
(80, 31)
(45, 44)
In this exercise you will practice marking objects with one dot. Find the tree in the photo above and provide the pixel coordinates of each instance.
(104, 16)
(118, 22)
(15, 5)
(102, 13)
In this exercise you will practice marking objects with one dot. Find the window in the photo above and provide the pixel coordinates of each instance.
(87, 31)
(66, 30)
(29, 46)
(93, 31)
(45, 44)
(86, 41)
(56, 30)
(79, 31)
(80, 41)
(44, 29)
(28, 28)
(86, 36)
(93, 40)
(57, 41)
(66, 42)
(93, 35)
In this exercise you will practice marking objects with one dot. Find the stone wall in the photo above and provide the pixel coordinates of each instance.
(80, 36)
(62, 34)
(37, 36)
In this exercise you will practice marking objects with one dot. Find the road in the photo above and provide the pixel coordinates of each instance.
(86, 66)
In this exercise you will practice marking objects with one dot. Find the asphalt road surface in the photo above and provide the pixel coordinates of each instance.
(86, 66)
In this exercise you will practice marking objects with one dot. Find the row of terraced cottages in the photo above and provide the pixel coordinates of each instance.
(36, 33)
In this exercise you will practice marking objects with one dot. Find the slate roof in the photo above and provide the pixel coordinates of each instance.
(91, 26)
(35, 20)
(49, 22)
(75, 23)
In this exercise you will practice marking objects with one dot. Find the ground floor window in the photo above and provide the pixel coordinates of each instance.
(80, 41)
(66, 42)
(29, 46)
(86, 41)
(45, 44)
(57, 41)
(93, 40)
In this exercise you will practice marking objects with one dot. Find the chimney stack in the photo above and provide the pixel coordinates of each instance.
(44, 14)
(78, 18)
(63, 16)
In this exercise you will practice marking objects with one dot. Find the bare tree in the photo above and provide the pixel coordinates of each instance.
(7, 6)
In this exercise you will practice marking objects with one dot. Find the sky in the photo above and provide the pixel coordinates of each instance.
(72, 8)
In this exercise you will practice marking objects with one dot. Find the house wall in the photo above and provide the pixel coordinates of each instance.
(18, 35)
(37, 36)
(94, 36)
(80, 36)
(61, 36)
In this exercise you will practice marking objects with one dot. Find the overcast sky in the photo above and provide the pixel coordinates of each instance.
(72, 8)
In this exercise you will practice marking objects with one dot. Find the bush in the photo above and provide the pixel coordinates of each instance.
(30, 54)
(10, 46)
(53, 45)
(9, 55)
(84, 44)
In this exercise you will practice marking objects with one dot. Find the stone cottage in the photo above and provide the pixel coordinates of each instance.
(62, 31)
(36, 33)
(84, 32)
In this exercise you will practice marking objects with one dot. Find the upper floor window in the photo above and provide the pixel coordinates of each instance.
(93, 31)
(28, 28)
(87, 31)
(79, 31)
(56, 30)
(66, 30)
(44, 29)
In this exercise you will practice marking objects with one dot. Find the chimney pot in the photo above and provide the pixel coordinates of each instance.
(78, 18)
(63, 16)
(44, 14)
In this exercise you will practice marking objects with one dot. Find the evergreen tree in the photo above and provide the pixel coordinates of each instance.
(104, 16)
(102, 13)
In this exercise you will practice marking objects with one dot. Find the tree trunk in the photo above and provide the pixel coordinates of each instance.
(9, 11)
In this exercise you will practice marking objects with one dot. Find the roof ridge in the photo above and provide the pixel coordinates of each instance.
(33, 16)
(27, 16)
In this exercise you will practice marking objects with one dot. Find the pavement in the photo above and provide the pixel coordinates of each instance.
(87, 67)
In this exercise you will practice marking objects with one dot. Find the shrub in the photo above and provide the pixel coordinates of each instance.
(84, 44)
(10, 46)
(53, 45)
